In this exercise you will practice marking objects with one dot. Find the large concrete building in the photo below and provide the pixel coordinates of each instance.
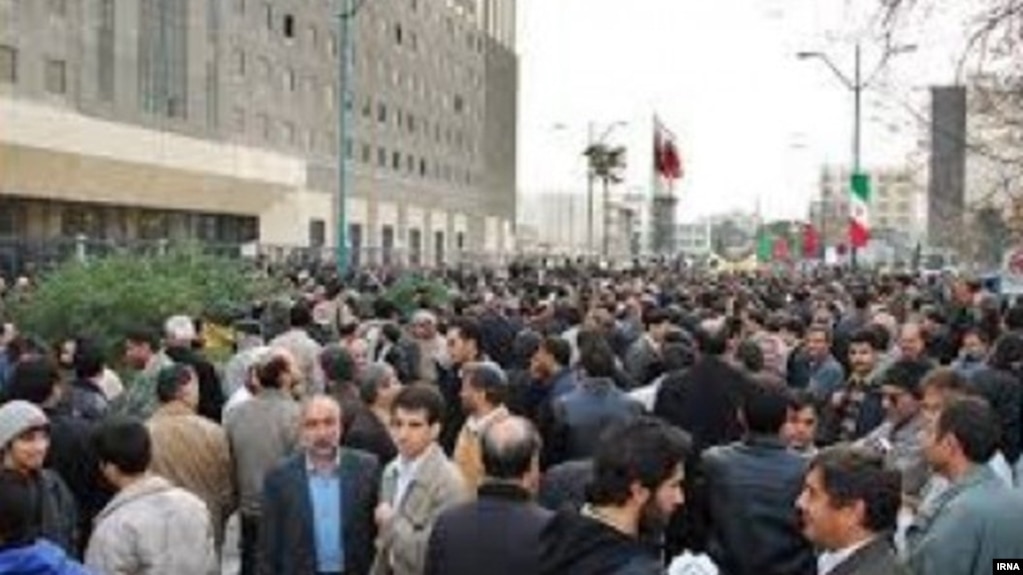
(217, 119)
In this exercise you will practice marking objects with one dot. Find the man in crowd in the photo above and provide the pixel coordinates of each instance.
(133, 532)
(191, 451)
(142, 354)
(464, 346)
(855, 408)
(899, 437)
(262, 431)
(758, 473)
(484, 389)
(636, 486)
(24, 443)
(417, 486)
(318, 505)
(826, 373)
(21, 549)
(302, 346)
(848, 507)
(975, 520)
(800, 431)
(180, 334)
(499, 533)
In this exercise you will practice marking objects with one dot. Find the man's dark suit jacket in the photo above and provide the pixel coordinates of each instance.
(288, 540)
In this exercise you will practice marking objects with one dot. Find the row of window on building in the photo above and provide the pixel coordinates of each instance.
(54, 71)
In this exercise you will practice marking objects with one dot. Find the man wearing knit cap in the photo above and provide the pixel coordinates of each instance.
(24, 442)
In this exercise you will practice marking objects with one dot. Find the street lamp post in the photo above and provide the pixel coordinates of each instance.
(591, 176)
(345, 103)
(856, 85)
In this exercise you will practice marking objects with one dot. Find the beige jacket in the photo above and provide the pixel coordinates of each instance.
(468, 453)
(192, 452)
(436, 486)
(152, 528)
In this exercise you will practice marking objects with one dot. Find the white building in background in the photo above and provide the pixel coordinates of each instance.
(556, 223)
(693, 239)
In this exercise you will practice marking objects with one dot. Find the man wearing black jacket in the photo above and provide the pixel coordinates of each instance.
(181, 335)
(637, 485)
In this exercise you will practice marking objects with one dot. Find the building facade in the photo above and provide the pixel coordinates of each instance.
(218, 120)
(896, 205)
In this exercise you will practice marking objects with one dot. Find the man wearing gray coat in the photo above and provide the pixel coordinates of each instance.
(978, 518)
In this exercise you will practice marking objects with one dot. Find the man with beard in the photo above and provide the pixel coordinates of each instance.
(318, 505)
(637, 485)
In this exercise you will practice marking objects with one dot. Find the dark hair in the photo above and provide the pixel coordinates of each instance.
(337, 364)
(32, 380)
(796, 326)
(88, 361)
(300, 315)
(945, 379)
(18, 509)
(677, 356)
(861, 299)
(974, 425)
(907, 374)
(819, 328)
(1014, 317)
(750, 355)
(170, 380)
(867, 336)
(765, 409)
(421, 397)
(596, 358)
(144, 335)
(645, 450)
(558, 348)
(851, 474)
(654, 316)
(524, 346)
(882, 337)
(468, 329)
(124, 443)
(1007, 354)
(370, 380)
(269, 373)
(800, 399)
(391, 332)
(510, 457)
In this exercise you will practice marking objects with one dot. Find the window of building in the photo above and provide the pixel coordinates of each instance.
(367, 153)
(349, 148)
(438, 248)
(415, 245)
(290, 80)
(238, 57)
(410, 164)
(413, 41)
(289, 26)
(332, 45)
(410, 120)
(312, 36)
(288, 129)
(397, 34)
(387, 244)
(268, 15)
(238, 120)
(381, 158)
(399, 119)
(263, 125)
(56, 76)
(367, 108)
(381, 112)
(458, 103)
(396, 161)
(355, 242)
(8, 64)
(317, 233)
(422, 167)
(460, 241)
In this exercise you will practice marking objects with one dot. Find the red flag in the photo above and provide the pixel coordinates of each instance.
(780, 250)
(811, 242)
(667, 161)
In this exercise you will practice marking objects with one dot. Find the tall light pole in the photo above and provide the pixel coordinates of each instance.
(856, 85)
(345, 104)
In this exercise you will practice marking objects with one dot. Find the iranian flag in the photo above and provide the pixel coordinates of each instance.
(859, 214)
(667, 159)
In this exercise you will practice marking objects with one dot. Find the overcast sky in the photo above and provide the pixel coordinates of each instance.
(751, 120)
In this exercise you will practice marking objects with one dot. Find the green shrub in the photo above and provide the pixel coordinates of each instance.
(411, 292)
(106, 296)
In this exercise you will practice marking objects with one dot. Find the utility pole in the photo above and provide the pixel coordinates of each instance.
(590, 176)
(345, 103)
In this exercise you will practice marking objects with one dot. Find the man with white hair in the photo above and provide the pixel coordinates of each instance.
(432, 347)
(180, 336)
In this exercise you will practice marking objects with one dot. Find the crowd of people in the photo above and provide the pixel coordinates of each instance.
(549, 421)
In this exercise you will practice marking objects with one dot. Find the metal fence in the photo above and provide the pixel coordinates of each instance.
(31, 256)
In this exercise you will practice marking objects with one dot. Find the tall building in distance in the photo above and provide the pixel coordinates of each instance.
(896, 207)
(217, 120)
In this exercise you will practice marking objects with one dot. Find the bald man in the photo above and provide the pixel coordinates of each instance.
(499, 533)
(318, 505)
